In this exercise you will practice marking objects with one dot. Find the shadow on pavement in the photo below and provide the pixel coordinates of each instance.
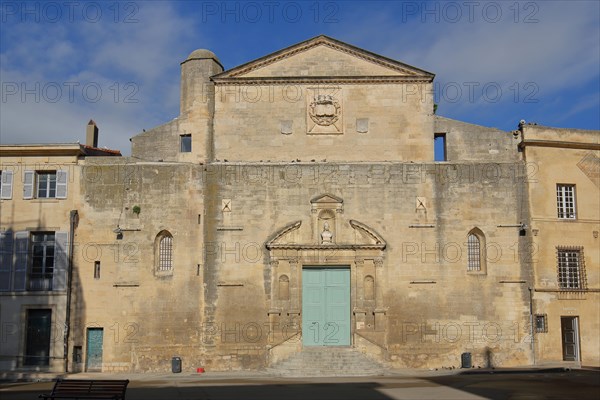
(550, 384)
(223, 391)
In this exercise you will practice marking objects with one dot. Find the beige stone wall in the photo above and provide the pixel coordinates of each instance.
(469, 142)
(195, 119)
(321, 61)
(399, 128)
(540, 132)
(425, 324)
(148, 317)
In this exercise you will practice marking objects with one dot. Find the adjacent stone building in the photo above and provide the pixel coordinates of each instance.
(295, 204)
(564, 181)
(39, 203)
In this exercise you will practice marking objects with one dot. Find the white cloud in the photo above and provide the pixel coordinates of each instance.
(134, 65)
(558, 53)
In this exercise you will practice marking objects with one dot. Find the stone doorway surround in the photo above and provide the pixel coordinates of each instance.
(303, 243)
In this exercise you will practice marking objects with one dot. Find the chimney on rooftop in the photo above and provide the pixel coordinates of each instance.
(91, 134)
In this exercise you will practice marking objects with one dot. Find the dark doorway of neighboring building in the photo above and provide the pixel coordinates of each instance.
(570, 338)
(37, 347)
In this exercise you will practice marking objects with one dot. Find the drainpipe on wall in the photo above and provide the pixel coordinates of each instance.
(73, 221)
(531, 319)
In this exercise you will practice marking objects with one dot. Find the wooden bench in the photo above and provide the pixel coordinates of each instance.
(87, 389)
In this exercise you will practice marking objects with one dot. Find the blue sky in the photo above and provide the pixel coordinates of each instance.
(496, 62)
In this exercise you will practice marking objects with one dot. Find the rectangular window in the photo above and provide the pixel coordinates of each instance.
(33, 261)
(571, 274)
(186, 143)
(439, 147)
(46, 185)
(541, 323)
(42, 261)
(565, 201)
(96, 269)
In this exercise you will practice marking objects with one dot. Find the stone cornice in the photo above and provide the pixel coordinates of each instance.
(295, 246)
(383, 79)
(559, 144)
(54, 150)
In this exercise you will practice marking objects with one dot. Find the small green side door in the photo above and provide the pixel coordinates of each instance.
(326, 306)
(94, 349)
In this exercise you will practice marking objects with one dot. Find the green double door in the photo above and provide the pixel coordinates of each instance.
(326, 306)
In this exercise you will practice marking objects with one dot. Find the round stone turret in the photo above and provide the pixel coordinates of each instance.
(197, 89)
(202, 54)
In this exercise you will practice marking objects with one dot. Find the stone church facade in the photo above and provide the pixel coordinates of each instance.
(294, 204)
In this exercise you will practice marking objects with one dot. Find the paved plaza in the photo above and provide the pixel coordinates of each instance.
(440, 385)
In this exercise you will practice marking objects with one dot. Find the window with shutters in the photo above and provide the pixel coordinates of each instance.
(6, 183)
(45, 184)
(33, 261)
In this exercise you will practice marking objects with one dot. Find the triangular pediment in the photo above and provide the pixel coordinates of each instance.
(323, 57)
(326, 199)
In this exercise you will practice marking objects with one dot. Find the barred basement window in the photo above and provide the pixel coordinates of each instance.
(164, 251)
(571, 270)
(541, 323)
(565, 201)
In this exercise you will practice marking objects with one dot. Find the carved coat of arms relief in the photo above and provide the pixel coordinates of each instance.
(324, 111)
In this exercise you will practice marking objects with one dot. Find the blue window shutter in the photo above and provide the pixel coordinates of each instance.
(61, 261)
(62, 178)
(28, 183)
(6, 260)
(21, 260)
(7, 183)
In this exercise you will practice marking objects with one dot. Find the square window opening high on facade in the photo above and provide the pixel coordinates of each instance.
(185, 143)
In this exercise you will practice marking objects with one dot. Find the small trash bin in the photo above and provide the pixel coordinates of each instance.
(465, 360)
(176, 365)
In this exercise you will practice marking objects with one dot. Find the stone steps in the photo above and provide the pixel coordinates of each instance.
(327, 361)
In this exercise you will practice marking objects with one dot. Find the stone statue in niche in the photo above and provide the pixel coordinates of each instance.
(326, 235)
